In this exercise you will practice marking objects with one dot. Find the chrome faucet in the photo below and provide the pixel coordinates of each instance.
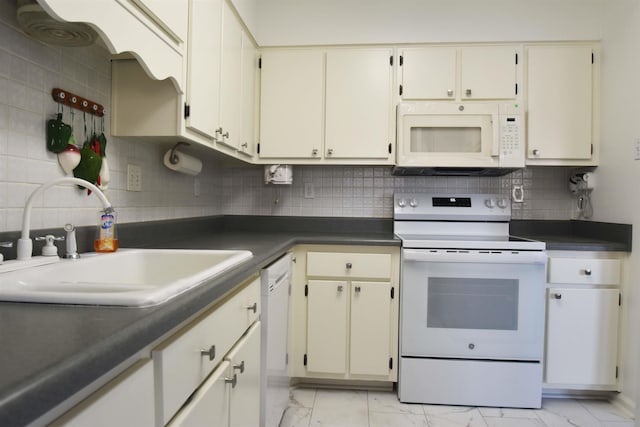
(25, 244)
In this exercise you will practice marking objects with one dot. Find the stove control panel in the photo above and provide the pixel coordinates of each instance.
(459, 207)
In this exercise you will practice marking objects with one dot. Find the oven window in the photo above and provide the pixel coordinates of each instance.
(446, 140)
(467, 303)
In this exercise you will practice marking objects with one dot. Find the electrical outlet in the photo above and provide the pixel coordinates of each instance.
(196, 187)
(309, 192)
(134, 178)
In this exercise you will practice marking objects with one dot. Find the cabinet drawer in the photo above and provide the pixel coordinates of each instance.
(584, 271)
(180, 364)
(343, 264)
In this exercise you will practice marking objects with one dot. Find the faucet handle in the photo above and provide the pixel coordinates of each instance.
(49, 249)
(71, 251)
(5, 245)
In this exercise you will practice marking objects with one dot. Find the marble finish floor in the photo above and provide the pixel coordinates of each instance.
(347, 408)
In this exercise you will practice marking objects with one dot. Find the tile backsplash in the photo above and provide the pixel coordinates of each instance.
(29, 70)
(361, 191)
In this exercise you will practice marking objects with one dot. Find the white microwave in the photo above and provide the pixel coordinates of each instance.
(460, 137)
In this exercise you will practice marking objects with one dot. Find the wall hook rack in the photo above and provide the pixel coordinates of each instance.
(75, 101)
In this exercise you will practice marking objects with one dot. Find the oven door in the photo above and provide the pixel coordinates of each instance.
(472, 304)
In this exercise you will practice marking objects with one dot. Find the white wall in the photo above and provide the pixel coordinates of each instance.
(617, 198)
(308, 22)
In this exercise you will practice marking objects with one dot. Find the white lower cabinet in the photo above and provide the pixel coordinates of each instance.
(345, 313)
(207, 373)
(230, 396)
(583, 311)
(127, 400)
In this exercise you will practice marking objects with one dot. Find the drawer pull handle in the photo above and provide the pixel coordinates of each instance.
(233, 381)
(211, 352)
(240, 367)
(557, 296)
(587, 272)
(349, 266)
(253, 307)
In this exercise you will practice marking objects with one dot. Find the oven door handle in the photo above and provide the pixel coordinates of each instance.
(494, 257)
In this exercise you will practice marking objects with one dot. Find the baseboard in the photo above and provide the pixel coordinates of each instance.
(341, 384)
(625, 404)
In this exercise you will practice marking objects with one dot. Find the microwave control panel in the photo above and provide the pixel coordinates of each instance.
(511, 140)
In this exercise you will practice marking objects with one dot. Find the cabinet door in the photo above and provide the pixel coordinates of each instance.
(204, 66)
(582, 336)
(245, 392)
(359, 109)
(370, 328)
(488, 72)
(292, 104)
(327, 326)
(172, 16)
(248, 102)
(429, 73)
(228, 132)
(209, 405)
(560, 100)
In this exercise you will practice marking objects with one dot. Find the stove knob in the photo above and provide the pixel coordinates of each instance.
(413, 202)
(490, 203)
(402, 203)
(502, 203)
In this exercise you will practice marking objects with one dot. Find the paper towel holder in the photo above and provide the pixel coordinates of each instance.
(173, 157)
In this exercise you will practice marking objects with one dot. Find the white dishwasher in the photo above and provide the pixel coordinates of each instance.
(274, 385)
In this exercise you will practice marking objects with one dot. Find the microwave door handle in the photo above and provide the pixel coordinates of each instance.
(495, 142)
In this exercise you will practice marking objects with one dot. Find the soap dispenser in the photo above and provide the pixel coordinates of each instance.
(106, 238)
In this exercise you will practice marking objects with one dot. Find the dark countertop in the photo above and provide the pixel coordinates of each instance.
(51, 352)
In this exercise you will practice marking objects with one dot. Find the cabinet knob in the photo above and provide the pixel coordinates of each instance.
(468, 92)
(535, 152)
(211, 352)
(253, 307)
(357, 289)
(472, 346)
(340, 288)
(557, 296)
(314, 152)
(233, 381)
(239, 367)
(349, 266)
(219, 130)
(587, 272)
(245, 145)
(329, 151)
(449, 93)
(225, 135)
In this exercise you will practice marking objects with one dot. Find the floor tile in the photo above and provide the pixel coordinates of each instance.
(508, 413)
(295, 416)
(513, 422)
(628, 423)
(387, 401)
(566, 413)
(340, 408)
(391, 419)
(303, 397)
(453, 416)
(603, 411)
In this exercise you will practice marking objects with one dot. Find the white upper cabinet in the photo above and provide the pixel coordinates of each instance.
(154, 31)
(204, 66)
(327, 105)
(359, 104)
(561, 100)
(228, 131)
(459, 73)
(429, 73)
(291, 104)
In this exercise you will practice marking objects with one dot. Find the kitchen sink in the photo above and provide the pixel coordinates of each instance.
(128, 277)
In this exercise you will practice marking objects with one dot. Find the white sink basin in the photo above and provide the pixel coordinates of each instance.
(128, 277)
